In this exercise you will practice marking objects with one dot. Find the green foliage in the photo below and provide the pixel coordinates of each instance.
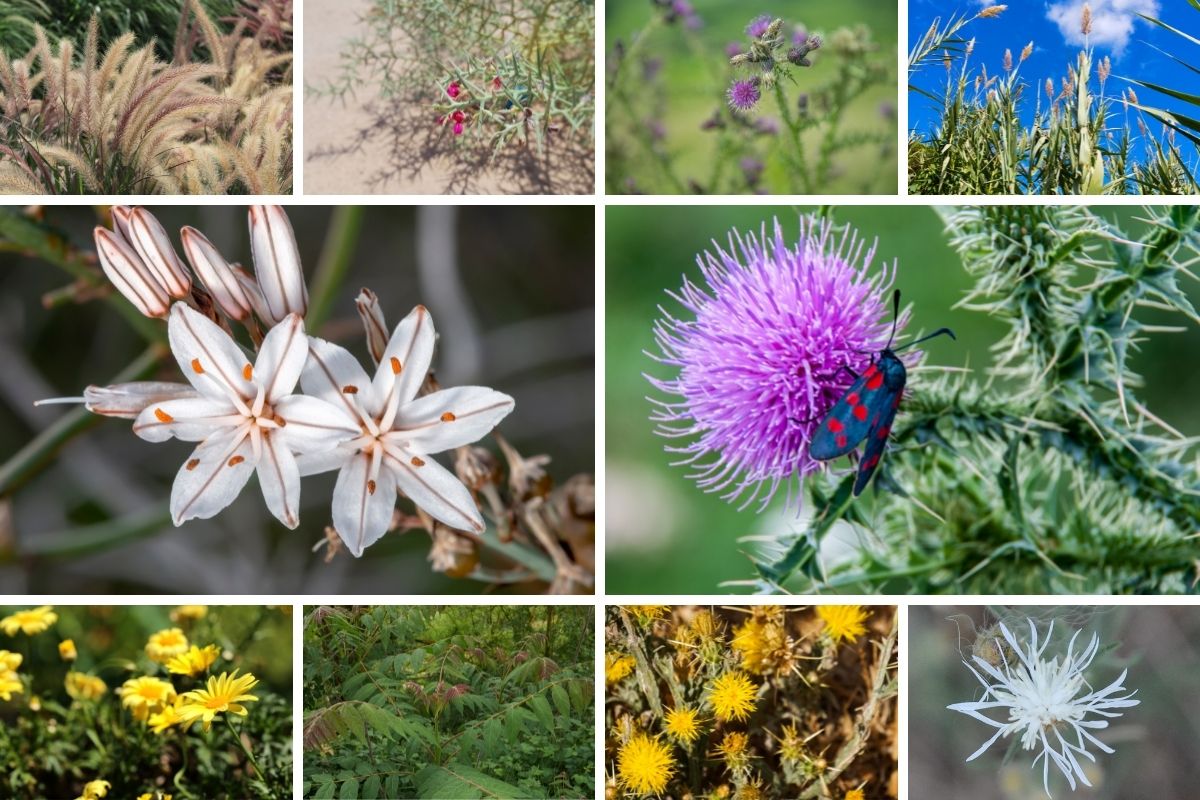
(1072, 146)
(18, 18)
(541, 52)
(462, 702)
(1048, 474)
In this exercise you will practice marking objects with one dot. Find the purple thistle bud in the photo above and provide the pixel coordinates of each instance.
(767, 125)
(743, 95)
(758, 26)
(799, 35)
(761, 363)
(732, 49)
(752, 169)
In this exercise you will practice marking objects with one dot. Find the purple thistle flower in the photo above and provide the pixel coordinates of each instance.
(758, 26)
(743, 95)
(761, 362)
(733, 48)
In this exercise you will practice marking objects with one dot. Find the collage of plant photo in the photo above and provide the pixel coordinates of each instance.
(576, 468)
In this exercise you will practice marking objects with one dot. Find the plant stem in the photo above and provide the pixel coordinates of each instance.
(794, 129)
(238, 738)
(34, 455)
(341, 241)
(533, 560)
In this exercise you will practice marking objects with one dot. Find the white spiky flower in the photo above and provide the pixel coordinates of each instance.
(1045, 699)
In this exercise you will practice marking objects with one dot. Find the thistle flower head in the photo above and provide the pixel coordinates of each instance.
(1048, 701)
(732, 696)
(682, 724)
(774, 329)
(644, 765)
(843, 623)
(758, 26)
(743, 95)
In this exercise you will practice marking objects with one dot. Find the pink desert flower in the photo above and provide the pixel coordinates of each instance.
(496, 84)
(458, 129)
(760, 355)
(453, 90)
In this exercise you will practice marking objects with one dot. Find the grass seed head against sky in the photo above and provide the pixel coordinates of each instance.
(1138, 49)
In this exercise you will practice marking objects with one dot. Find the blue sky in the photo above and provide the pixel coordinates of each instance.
(1053, 25)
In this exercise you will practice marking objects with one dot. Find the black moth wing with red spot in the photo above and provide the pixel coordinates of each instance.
(870, 398)
(881, 426)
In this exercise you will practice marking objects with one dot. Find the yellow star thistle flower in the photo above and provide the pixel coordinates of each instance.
(682, 725)
(732, 696)
(194, 661)
(223, 695)
(644, 765)
(10, 661)
(81, 686)
(734, 751)
(189, 613)
(66, 650)
(166, 644)
(855, 794)
(167, 717)
(94, 790)
(843, 623)
(647, 614)
(10, 682)
(617, 667)
(750, 791)
(29, 622)
(145, 695)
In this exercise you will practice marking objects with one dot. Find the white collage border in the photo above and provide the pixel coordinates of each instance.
(600, 201)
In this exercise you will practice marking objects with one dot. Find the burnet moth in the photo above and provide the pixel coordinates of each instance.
(868, 407)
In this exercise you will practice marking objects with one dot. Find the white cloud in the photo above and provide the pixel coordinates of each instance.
(1112, 20)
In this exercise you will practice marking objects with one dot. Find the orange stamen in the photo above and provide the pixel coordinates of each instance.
(448, 417)
(233, 462)
(396, 365)
(351, 389)
(416, 462)
(199, 370)
(370, 487)
(247, 372)
(191, 465)
(163, 416)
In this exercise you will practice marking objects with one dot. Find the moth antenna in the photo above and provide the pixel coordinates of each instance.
(938, 332)
(895, 317)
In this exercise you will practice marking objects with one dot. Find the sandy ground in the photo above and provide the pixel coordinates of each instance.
(372, 146)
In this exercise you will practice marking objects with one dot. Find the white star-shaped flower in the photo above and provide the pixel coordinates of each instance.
(1046, 699)
(245, 417)
(396, 433)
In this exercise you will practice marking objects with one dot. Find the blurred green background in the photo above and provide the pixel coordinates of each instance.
(512, 295)
(111, 641)
(1155, 741)
(691, 94)
(663, 534)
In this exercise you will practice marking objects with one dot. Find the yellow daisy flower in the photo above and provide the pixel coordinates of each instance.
(166, 717)
(10, 682)
(644, 765)
(81, 686)
(10, 661)
(223, 695)
(843, 623)
(30, 621)
(166, 644)
(617, 667)
(194, 661)
(94, 790)
(145, 695)
(66, 650)
(189, 613)
(732, 696)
